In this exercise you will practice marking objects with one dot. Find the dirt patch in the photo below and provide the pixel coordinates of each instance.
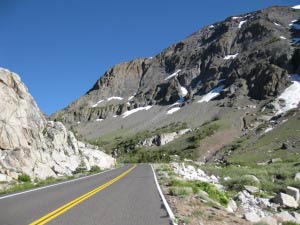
(215, 142)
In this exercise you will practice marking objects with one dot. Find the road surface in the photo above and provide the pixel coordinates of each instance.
(124, 196)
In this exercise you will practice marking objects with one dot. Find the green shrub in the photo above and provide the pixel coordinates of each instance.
(79, 169)
(290, 223)
(24, 178)
(213, 192)
(95, 169)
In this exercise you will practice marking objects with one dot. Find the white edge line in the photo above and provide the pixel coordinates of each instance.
(52, 185)
(167, 206)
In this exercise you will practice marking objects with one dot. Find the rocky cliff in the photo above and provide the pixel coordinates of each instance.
(30, 144)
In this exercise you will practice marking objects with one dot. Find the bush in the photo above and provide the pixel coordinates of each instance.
(79, 169)
(290, 223)
(95, 169)
(24, 178)
(213, 192)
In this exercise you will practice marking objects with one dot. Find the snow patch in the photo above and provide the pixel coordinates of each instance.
(268, 129)
(114, 98)
(173, 75)
(114, 116)
(96, 104)
(236, 17)
(99, 120)
(128, 113)
(277, 24)
(131, 97)
(283, 38)
(290, 96)
(211, 26)
(296, 7)
(184, 91)
(212, 94)
(173, 110)
(242, 23)
(231, 56)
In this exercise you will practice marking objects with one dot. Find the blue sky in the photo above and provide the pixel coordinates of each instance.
(61, 47)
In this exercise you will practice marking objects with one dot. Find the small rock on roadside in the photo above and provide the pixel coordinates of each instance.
(294, 192)
(297, 176)
(275, 160)
(252, 217)
(296, 216)
(252, 178)
(285, 200)
(284, 145)
(285, 217)
(269, 220)
(232, 206)
(251, 189)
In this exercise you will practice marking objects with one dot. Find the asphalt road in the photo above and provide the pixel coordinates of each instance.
(131, 200)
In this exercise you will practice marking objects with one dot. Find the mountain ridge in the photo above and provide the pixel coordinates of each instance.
(243, 60)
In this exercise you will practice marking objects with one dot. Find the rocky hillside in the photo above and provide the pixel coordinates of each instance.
(30, 144)
(229, 70)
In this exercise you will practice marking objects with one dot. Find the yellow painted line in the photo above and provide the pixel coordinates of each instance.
(50, 216)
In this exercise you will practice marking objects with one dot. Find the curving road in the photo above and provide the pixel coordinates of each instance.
(124, 196)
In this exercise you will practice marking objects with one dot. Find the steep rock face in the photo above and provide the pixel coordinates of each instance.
(31, 144)
(249, 54)
(20, 118)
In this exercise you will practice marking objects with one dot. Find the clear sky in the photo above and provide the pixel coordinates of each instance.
(61, 47)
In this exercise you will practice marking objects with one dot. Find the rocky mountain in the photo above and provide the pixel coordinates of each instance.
(30, 144)
(234, 70)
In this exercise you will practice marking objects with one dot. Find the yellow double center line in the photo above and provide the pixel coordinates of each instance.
(50, 216)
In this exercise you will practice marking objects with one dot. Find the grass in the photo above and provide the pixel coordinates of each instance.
(290, 223)
(272, 177)
(213, 193)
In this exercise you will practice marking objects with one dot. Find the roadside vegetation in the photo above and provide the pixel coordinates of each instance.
(24, 181)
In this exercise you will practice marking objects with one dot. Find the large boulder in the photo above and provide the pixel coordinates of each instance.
(285, 200)
(30, 144)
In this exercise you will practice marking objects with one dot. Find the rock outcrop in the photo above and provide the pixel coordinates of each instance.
(30, 144)
(162, 139)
